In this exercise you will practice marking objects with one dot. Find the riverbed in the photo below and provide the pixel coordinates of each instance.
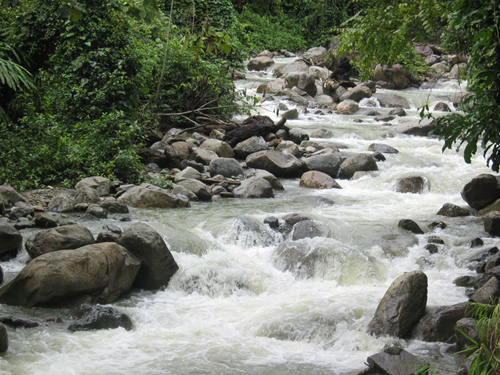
(230, 310)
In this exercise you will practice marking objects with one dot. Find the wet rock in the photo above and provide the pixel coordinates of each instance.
(466, 333)
(411, 184)
(488, 293)
(322, 133)
(347, 107)
(302, 80)
(99, 272)
(249, 146)
(260, 63)
(451, 210)
(4, 339)
(272, 221)
(227, 167)
(397, 112)
(11, 241)
(113, 206)
(298, 135)
(328, 163)
(385, 149)
(289, 147)
(308, 229)
(318, 180)
(292, 219)
(481, 191)
(476, 242)
(441, 106)
(395, 363)
(410, 225)
(420, 128)
(402, 306)
(97, 211)
(392, 100)
(492, 225)
(271, 87)
(438, 324)
(275, 182)
(18, 322)
(158, 264)
(95, 317)
(464, 281)
(101, 185)
(254, 187)
(65, 237)
(298, 258)
(357, 93)
(356, 163)
(86, 195)
(150, 196)
(278, 163)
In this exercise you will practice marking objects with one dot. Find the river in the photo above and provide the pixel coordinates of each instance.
(229, 310)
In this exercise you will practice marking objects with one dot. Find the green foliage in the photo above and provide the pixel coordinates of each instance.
(165, 181)
(195, 15)
(384, 32)
(485, 352)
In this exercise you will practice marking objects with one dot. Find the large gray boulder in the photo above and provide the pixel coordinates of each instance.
(420, 128)
(66, 237)
(302, 80)
(94, 317)
(63, 202)
(249, 146)
(402, 306)
(412, 184)
(383, 148)
(278, 163)
(358, 163)
(347, 107)
(392, 100)
(227, 167)
(254, 187)
(150, 196)
(158, 264)
(9, 196)
(328, 163)
(318, 180)
(481, 191)
(101, 185)
(198, 188)
(357, 93)
(221, 148)
(98, 273)
(308, 229)
(11, 241)
(294, 97)
(395, 361)
(314, 55)
(260, 63)
(438, 324)
(268, 176)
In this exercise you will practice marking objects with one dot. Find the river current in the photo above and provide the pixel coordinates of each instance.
(229, 310)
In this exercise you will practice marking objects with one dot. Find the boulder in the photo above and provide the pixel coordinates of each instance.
(458, 70)
(438, 323)
(204, 156)
(9, 196)
(392, 100)
(302, 80)
(397, 112)
(395, 362)
(151, 156)
(158, 264)
(452, 210)
(466, 333)
(402, 306)
(250, 127)
(481, 191)
(298, 135)
(254, 187)
(260, 63)
(221, 148)
(101, 185)
(97, 211)
(298, 258)
(188, 173)
(95, 317)
(424, 50)
(198, 188)
(291, 114)
(420, 128)
(488, 293)
(63, 202)
(11, 241)
(318, 180)
(308, 229)
(4, 339)
(43, 220)
(385, 149)
(227, 167)
(357, 163)
(410, 226)
(278, 163)
(412, 184)
(320, 73)
(322, 133)
(101, 273)
(328, 163)
(275, 182)
(295, 66)
(150, 196)
(347, 107)
(113, 206)
(66, 237)
(314, 55)
(249, 146)
(272, 87)
(294, 97)
(357, 93)
(85, 195)
(441, 106)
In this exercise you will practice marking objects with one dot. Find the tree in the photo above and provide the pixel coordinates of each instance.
(385, 32)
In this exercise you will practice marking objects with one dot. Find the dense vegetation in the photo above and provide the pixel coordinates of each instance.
(82, 82)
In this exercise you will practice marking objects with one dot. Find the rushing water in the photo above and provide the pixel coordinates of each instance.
(229, 310)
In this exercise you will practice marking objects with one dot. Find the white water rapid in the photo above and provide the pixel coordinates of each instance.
(229, 310)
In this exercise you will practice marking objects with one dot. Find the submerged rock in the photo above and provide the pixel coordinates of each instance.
(94, 317)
